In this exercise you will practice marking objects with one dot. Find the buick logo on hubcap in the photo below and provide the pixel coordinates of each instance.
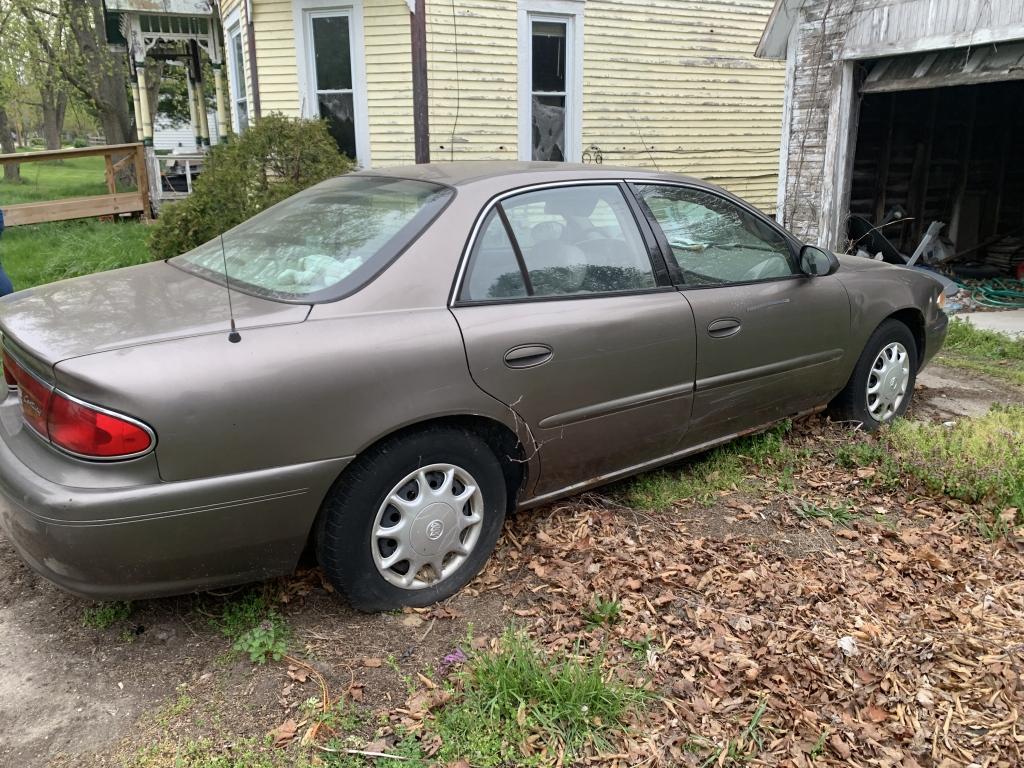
(435, 530)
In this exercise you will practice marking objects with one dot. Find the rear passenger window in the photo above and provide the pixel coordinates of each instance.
(567, 241)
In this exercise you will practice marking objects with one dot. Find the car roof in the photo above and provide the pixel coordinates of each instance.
(519, 173)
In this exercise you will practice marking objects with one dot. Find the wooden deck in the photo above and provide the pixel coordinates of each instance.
(112, 203)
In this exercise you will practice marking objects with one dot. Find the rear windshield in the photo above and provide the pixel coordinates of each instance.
(323, 243)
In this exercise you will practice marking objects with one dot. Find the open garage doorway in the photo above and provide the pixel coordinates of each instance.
(941, 139)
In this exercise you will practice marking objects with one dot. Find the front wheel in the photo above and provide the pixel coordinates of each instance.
(413, 520)
(882, 383)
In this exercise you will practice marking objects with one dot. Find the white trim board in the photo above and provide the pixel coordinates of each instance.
(571, 12)
(301, 10)
(232, 25)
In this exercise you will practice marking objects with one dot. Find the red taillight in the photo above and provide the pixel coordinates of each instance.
(76, 427)
(71, 424)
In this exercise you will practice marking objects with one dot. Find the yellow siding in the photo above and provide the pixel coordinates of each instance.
(682, 77)
(678, 75)
(388, 81)
(227, 7)
(275, 34)
(482, 91)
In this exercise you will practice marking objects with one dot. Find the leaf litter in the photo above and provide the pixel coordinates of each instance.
(894, 641)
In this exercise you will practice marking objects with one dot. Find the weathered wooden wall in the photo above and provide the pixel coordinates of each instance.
(829, 32)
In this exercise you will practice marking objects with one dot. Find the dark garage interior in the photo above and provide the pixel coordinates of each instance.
(951, 153)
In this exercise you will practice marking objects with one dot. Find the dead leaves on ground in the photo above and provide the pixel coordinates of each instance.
(897, 644)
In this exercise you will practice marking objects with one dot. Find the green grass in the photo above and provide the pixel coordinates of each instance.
(979, 461)
(254, 627)
(518, 692)
(603, 611)
(54, 179)
(744, 748)
(705, 478)
(987, 352)
(44, 253)
(105, 615)
(840, 514)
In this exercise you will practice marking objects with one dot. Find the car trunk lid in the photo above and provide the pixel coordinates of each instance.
(128, 307)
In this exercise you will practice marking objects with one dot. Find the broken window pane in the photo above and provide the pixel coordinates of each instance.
(549, 56)
(337, 109)
(331, 53)
(549, 128)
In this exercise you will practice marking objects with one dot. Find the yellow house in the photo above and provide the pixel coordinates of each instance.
(666, 83)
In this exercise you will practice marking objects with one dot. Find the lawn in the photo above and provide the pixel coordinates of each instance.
(54, 179)
(987, 352)
(43, 253)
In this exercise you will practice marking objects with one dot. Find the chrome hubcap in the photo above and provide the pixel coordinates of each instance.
(887, 381)
(427, 526)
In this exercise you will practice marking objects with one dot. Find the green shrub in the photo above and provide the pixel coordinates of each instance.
(274, 159)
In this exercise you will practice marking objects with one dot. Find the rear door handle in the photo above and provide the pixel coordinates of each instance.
(528, 355)
(724, 326)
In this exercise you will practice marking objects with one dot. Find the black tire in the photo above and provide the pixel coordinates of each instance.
(344, 536)
(851, 405)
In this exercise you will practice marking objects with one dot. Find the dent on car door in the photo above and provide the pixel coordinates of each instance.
(769, 339)
(566, 321)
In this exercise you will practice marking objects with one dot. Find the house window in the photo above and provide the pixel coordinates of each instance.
(236, 70)
(332, 71)
(550, 63)
(548, 91)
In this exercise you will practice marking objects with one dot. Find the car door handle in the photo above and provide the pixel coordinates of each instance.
(724, 326)
(528, 355)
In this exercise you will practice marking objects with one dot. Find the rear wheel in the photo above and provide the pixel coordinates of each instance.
(413, 520)
(882, 383)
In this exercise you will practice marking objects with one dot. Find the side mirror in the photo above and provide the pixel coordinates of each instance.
(817, 262)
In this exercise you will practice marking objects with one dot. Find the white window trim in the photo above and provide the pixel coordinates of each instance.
(570, 11)
(233, 26)
(301, 10)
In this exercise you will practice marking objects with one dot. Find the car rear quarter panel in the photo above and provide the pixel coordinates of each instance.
(326, 388)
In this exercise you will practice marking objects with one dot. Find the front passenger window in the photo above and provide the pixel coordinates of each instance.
(714, 241)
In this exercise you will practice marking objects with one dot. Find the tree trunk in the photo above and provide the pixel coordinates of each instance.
(11, 170)
(54, 102)
(108, 83)
(54, 105)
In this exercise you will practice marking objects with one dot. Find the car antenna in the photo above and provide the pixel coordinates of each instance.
(233, 336)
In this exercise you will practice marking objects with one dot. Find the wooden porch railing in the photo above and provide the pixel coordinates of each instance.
(112, 203)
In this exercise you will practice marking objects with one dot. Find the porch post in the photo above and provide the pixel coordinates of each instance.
(222, 112)
(137, 107)
(147, 123)
(204, 125)
(192, 117)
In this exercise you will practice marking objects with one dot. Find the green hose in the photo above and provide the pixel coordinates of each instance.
(1002, 293)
